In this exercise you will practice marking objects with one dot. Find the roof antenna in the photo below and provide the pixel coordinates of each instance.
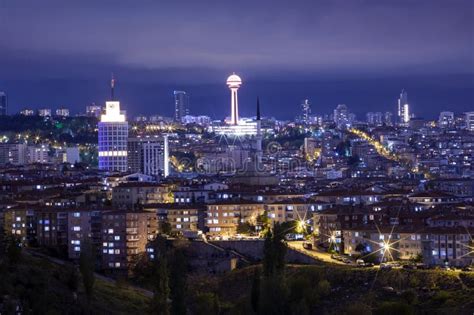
(112, 86)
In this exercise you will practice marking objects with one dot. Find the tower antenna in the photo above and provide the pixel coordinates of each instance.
(112, 86)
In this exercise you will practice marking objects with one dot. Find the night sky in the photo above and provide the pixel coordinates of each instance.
(361, 53)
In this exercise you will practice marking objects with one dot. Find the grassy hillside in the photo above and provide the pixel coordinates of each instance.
(343, 290)
(45, 288)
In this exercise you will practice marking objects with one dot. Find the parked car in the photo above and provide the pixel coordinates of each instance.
(385, 266)
(360, 262)
(308, 245)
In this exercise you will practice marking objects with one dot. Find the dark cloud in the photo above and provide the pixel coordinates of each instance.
(155, 45)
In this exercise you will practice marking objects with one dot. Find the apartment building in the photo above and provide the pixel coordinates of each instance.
(223, 218)
(125, 235)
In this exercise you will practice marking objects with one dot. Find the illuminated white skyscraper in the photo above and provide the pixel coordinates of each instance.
(306, 108)
(234, 83)
(403, 108)
(113, 136)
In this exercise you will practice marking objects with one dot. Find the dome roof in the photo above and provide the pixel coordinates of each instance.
(234, 80)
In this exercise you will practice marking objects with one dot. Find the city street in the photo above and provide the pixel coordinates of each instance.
(316, 253)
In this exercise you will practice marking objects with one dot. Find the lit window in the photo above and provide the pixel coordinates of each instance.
(117, 238)
(77, 214)
(77, 248)
(110, 231)
(76, 228)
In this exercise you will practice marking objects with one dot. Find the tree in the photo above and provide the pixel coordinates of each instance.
(207, 304)
(255, 291)
(86, 266)
(165, 227)
(178, 281)
(273, 292)
(13, 250)
(245, 228)
(159, 302)
(395, 308)
(358, 309)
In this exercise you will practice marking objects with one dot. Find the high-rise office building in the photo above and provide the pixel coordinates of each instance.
(388, 118)
(62, 112)
(375, 119)
(181, 103)
(342, 117)
(113, 135)
(93, 110)
(44, 112)
(27, 112)
(403, 108)
(446, 119)
(148, 155)
(306, 109)
(469, 117)
(3, 103)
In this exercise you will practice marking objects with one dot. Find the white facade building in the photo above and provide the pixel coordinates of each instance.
(113, 136)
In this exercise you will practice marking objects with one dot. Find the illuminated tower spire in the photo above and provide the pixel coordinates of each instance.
(112, 86)
(234, 83)
(258, 108)
(258, 138)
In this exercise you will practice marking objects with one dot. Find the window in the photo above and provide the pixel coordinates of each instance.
(117, 252)
(117, 238)
(110, 231)
(77, 214)
(77, 248)
(178, 226)
(76, 228)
